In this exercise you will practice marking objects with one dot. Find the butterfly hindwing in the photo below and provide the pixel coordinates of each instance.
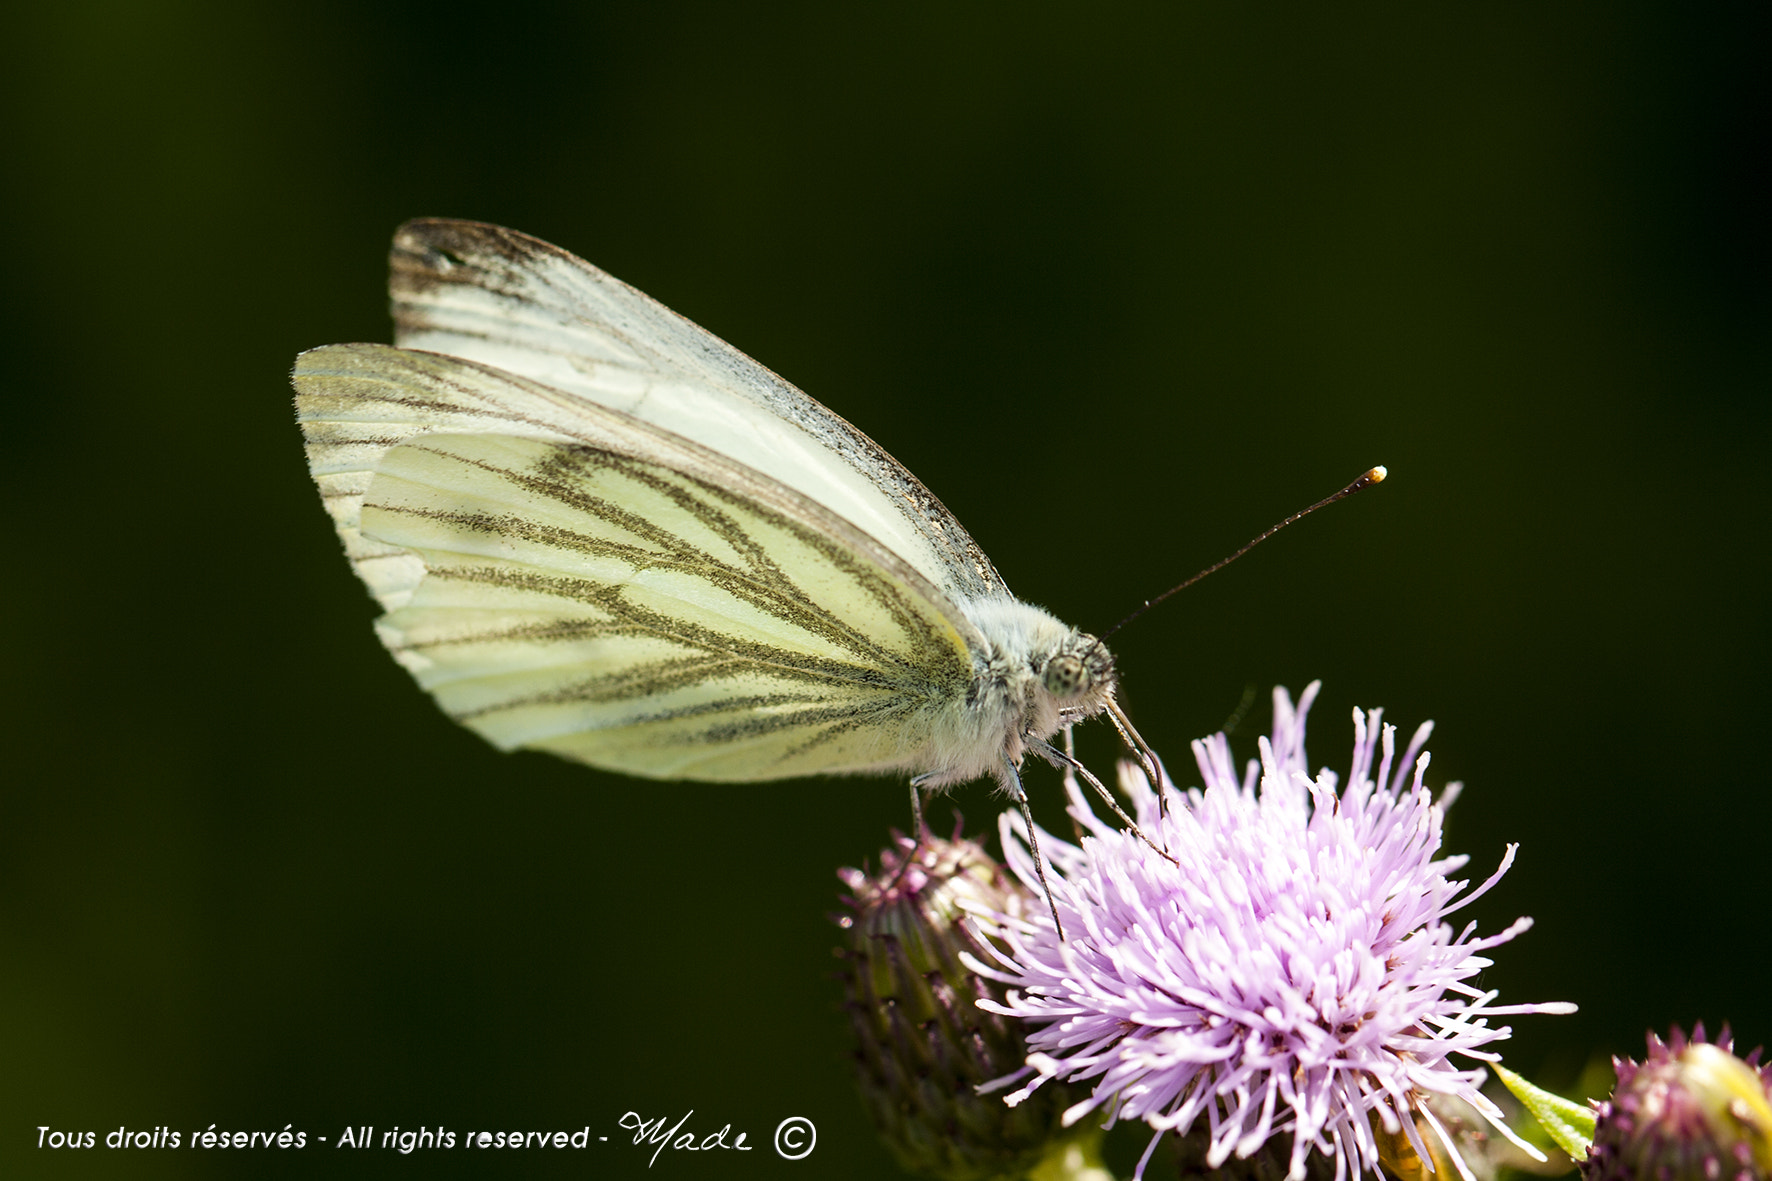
(565, 577)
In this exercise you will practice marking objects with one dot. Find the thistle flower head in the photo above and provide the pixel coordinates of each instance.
(923, 1044)
(1286, 969)
(1690, 1111)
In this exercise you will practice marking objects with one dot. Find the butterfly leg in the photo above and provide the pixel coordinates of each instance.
(918, 783)
(1012, 781)
(1146, 756)
(1059, 758)
(1070, 750)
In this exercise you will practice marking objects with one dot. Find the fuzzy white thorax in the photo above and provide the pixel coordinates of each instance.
(1009, 701)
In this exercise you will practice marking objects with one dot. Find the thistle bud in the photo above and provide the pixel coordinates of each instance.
(1690, 1111)
(923, 1044)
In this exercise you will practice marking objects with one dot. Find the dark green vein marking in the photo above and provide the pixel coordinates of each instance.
(553, 631)
(837, 719)
(609, 597)
(655, 679)
(561, 477)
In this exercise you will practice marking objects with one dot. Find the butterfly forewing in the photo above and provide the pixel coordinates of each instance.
(607, 591)
(505, 299)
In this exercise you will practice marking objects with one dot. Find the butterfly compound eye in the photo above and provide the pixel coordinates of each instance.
(1065, 676)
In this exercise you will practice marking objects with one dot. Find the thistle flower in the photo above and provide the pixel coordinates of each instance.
(923, 1043)
(1690, 1111)
(1285, 969)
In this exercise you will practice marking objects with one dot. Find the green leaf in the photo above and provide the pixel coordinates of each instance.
(1072, 1158)
(1569, 1123)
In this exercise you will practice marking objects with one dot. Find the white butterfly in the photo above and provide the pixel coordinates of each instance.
(598, 530)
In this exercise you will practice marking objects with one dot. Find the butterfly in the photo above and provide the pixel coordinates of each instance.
(598, 530)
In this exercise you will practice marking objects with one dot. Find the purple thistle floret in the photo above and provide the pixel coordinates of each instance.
(1290, 972)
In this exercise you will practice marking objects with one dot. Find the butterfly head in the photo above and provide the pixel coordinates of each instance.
(1079, 677)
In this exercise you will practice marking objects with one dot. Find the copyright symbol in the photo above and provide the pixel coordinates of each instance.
(794, 1137)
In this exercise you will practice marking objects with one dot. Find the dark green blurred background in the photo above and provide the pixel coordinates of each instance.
(1122, 286)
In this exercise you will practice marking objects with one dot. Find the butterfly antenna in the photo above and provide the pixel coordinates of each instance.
(1367, 479)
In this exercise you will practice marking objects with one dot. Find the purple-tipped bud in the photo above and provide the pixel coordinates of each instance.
(923, 1044)
(1690, 1111)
